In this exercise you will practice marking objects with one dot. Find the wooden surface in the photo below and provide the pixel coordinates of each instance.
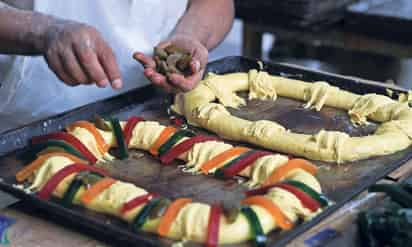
(30, 231)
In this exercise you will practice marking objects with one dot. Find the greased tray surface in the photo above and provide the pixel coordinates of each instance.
(340, 182)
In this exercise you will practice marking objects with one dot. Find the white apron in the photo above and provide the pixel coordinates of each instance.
(29, 89)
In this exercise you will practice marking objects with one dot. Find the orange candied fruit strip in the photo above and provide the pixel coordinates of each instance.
(28, 170)
(163, 137)
(96, 189)
(170, 214)
(222, 157)
(101, 143)
(278, 174)
(280, 218)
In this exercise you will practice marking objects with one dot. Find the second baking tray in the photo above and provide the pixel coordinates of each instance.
(293, 13)
(389, 20)
(340, 182)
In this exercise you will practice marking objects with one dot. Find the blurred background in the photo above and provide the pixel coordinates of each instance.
(371, 39)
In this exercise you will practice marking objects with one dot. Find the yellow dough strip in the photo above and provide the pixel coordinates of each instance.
(192, 220)
(394, 134)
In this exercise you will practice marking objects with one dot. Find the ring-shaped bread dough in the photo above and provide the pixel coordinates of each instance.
(191, 222)
(200, 108)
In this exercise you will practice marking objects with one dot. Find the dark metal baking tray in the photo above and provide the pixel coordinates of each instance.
(383, 19)
(340, 182)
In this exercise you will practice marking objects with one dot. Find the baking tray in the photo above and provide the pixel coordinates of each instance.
(293, 13)
(340, 182)
(383, 19)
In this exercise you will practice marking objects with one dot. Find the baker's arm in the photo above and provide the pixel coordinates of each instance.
(17, 34)
(75, 52)
(208, 21)
(202, 27)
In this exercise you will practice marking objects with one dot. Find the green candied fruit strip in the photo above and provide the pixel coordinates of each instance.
(219, 172)
(142, 216)
(74, 187)
(175, 138)
(86, 178)
(259, 236)
(36, 148)
(118, 133)
(323, 201)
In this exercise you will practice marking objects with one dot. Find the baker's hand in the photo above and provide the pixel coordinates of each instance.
(78, 55)
(176, 82)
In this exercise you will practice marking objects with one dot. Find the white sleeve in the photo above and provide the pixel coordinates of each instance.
(11, 74)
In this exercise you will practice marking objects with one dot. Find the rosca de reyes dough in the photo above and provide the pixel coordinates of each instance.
(205, 107)
(282, 191)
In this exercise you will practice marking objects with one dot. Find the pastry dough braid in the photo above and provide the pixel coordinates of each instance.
(191, 223)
